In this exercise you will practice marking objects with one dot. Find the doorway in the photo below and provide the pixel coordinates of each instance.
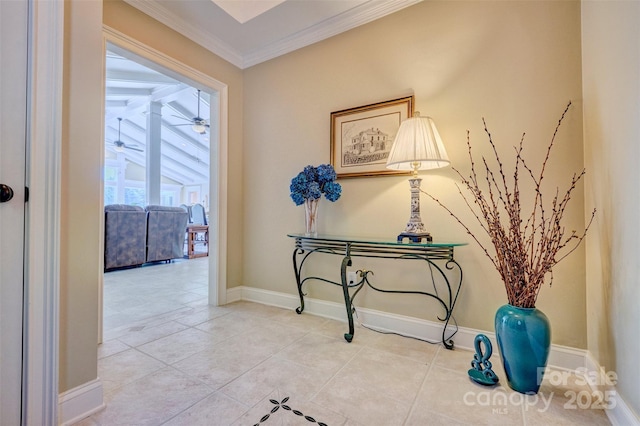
(195, 158)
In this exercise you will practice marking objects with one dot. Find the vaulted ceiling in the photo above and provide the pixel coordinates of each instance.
(130, 90)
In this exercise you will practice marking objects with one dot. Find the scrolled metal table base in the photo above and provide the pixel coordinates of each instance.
(305, 246)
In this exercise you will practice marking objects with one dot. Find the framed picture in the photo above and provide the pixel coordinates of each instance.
(361, 137)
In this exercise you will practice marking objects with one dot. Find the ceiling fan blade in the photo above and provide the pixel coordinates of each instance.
(176, 125)
(134, 148)
(200, 121)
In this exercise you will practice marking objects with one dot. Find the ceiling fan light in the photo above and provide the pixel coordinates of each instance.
(199, 128)
(119, 148)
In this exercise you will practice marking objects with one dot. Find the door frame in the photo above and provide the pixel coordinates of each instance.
(42, 212)
(42, 215)
(217, 161)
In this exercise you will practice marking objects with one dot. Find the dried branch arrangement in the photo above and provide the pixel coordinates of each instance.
(526, 248)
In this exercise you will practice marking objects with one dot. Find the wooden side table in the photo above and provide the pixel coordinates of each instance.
(192, 240)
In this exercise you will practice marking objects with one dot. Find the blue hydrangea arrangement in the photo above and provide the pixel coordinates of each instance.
(312, 182)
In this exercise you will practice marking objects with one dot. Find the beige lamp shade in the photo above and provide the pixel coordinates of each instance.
(417, 143)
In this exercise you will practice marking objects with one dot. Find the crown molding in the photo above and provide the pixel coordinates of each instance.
(209, 42)
(355, 17)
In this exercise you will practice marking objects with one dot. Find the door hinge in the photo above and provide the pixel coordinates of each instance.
(26, 194)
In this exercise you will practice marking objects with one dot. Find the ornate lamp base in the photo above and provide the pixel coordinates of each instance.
(415, 228)
(415, 237)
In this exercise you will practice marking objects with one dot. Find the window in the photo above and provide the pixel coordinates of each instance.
(111, 177)
(134, 196)
(170, 197)
(111, 173)
(110, 195)
(118, 190)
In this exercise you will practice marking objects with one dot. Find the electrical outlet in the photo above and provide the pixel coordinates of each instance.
(352, 278)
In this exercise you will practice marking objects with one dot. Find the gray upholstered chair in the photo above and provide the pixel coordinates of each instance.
(187, 209)
(165, 232)
(125, 239)
(198, 215)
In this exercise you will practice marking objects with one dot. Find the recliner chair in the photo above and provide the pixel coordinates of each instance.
(165, 232)
(125, 236)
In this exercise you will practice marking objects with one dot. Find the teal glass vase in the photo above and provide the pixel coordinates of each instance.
(524, 338)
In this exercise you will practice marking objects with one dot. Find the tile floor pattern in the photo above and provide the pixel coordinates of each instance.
(170, 359)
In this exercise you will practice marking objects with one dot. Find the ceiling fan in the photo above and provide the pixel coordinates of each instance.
(197, 123)
(119, 145)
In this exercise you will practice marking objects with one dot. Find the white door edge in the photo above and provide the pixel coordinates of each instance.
(42, 253)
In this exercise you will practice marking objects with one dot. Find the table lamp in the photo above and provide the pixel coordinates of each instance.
(417, 146)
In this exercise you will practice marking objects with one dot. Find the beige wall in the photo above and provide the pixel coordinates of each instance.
(80, 204)
(515, 63)
(611, 87)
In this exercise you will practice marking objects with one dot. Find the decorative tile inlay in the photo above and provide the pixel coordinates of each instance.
(282, 405)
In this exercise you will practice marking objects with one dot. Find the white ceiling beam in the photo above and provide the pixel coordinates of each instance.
(184, 135)
(139, 77)
(181, 110)
(115, 104)
(194, 158)
(168, 160)
(139, 105)
(127, 91)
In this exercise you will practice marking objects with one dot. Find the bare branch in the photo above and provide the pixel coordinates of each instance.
(525, 251)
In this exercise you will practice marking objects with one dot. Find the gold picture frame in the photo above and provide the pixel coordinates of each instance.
(361, 137)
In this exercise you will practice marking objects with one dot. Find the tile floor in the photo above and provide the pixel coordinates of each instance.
(169, 359)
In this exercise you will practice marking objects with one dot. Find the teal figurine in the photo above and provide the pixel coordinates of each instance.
(481, 372)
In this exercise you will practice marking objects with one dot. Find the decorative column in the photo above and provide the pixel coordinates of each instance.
(154, 154)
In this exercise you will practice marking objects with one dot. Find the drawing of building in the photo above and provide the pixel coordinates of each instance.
(369, 141)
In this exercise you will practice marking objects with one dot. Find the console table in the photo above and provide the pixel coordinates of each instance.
(438, 258)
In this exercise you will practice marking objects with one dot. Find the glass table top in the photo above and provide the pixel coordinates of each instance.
(375, 240)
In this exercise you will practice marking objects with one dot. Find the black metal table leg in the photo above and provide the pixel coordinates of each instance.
(452, 302)
(347, 299)
(297, 251)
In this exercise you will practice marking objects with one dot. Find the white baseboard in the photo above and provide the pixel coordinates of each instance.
(620, 414)
(80, 402)
(234, 294)
(560, 357)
